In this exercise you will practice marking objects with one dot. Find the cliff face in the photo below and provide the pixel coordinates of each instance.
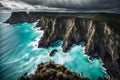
(97, 35)
(34, 16)
(21, 16)
(18, 18)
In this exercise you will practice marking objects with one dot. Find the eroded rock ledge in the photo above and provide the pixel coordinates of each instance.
(52, 71)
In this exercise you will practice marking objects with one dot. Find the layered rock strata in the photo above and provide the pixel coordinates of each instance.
(97, 35)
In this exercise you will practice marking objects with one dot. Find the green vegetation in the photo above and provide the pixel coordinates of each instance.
(113, 20)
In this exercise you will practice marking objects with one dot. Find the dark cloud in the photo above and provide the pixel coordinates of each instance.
(77, 4)
(67, 4)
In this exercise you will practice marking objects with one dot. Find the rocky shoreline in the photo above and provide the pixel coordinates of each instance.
(52, 71)
(97, 33)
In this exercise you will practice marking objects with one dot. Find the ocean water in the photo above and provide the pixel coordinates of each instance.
(19, 53)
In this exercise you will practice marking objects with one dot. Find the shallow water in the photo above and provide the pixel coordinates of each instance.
(19, 53)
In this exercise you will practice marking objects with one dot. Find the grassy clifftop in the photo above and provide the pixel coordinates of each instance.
(113, 20)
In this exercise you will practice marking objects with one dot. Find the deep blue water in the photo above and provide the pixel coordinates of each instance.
(19, 53)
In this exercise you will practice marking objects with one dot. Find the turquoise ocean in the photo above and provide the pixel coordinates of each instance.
(19, 53)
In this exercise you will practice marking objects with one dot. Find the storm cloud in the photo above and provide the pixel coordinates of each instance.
(73, 4)
(61, 4)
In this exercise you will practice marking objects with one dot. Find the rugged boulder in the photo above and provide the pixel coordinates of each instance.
(53, 52)
(52, 71)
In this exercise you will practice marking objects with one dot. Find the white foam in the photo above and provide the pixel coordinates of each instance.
(16, 60)
(4, 23)
(26, 55)
(0, 22)
(35, 42)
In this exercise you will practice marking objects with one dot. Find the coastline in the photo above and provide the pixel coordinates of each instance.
(34, 44)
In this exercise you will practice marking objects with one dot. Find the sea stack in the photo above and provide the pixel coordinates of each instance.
(18, 17)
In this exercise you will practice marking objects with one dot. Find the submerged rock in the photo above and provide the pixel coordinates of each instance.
(52, 52)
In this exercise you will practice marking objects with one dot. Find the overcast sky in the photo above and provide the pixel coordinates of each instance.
(60, 4)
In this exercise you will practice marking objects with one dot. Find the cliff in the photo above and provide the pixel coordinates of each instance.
(21, 16)
(99, 37)
(100, 32)
(18, 18)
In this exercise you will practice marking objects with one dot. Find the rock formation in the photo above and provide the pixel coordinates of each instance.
(18, 17)
(97, 35)
(52, 71)
(101, 36)
(52, 52)
(34, 16)
(21, 16)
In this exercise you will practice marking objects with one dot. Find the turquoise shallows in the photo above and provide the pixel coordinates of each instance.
(17, 55)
